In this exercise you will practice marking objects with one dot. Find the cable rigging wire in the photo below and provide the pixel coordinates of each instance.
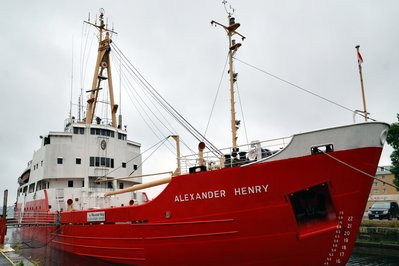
(301, 88)
(143, 85)
(84, 59)
(242, 113)
(160, 143)
(172, 111)
(144, 102)
(142, 111)
(217, 93)
(140, 101)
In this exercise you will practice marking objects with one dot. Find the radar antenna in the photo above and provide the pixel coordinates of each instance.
(229, 10)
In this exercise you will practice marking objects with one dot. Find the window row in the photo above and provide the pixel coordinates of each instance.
(97, 162)
(376, 191)
(79, 130)
(99, 132)
(101, 161)
(60, 160)
(42, 184)
(36, 166)
(102, 132)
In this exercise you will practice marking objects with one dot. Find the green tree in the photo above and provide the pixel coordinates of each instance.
(393, 140)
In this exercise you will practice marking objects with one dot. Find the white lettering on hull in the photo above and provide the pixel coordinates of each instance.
(201, 196)
(216, 194)
(242, 191)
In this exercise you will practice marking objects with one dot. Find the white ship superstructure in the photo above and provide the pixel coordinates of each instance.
(77, 166)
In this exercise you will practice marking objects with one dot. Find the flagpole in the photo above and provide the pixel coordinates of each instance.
(360, 61)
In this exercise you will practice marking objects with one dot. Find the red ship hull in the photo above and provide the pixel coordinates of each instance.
(236, 216)
(298, 205)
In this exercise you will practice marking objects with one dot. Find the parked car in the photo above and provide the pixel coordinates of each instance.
(384, 210)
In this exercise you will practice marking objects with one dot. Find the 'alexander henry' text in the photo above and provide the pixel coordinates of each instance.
(221, 193)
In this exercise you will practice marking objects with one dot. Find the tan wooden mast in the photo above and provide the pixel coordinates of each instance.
(359, 62)
(233, 47)
(102, 72)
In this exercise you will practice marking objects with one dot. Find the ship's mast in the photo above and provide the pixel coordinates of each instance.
(102, 72)
(359, 62)
(233, 47)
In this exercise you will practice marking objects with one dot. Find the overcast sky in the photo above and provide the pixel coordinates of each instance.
(309, 43)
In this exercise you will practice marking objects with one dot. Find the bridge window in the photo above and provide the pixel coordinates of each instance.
(60, 160)
(102, 132)
(101, 161)
(79, 130)
(31, 188)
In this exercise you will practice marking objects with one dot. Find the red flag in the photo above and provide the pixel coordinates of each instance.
(359, 58)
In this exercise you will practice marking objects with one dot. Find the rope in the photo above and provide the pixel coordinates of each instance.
(358, 170)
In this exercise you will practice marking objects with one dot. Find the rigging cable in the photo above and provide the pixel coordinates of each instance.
(137, 156)
(144, 102)
(144, 88)
(83, 65)
(160, 144)
(216, 96)
(84, 60)
(141, 102)
(242, 113)
(301, 88)
(151, 91)
(170, 109)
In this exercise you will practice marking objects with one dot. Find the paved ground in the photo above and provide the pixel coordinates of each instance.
(8, 257)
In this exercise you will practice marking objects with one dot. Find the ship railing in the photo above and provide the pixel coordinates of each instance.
(32, 218)
(245, 154)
